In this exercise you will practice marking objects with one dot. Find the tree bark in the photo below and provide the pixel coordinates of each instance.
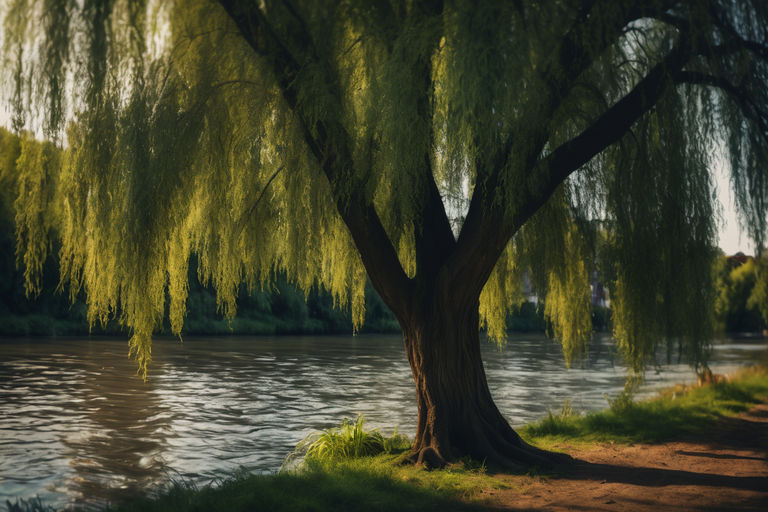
(456, 413)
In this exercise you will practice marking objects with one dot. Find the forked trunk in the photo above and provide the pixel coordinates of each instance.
(457, 416)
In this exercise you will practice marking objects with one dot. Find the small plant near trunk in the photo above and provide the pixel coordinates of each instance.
(349, 440)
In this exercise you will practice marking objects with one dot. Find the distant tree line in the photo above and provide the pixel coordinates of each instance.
(281, 310)
(741, 304)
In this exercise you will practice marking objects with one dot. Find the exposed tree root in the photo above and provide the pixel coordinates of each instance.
(503, 455)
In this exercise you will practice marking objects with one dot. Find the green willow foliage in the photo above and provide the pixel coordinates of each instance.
(179, 139)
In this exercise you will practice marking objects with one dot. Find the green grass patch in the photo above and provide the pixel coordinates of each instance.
(676, 412)
(357, 484)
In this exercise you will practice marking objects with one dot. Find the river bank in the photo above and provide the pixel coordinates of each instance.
(690, 448)
(722, 468)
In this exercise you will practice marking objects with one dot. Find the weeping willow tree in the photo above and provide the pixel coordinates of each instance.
(439, 148)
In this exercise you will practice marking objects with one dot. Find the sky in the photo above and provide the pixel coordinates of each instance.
(731, 238)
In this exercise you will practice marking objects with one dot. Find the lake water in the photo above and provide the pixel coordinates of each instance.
(77, 426)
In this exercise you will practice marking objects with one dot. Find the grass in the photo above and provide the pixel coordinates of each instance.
(676, 412)
(364, 484)
(347, 441)
(351, 468)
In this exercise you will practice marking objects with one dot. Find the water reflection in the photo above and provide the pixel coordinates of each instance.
(124, 430)
(78, 426)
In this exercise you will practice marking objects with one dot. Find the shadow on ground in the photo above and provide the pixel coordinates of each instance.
(658, 477)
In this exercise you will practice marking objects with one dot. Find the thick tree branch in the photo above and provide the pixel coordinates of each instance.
(605, 131)
(328, 142)
(590, 37)
(575, 53)
(434, 238)
(696, 78)
(435, 241)
(733, 41)
(487, 228)
(260, 36)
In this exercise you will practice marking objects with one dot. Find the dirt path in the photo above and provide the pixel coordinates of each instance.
(726, 469)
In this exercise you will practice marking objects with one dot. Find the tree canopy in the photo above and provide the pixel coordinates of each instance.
(439, 147)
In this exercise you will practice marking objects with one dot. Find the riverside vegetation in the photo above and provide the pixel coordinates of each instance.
(351, 468)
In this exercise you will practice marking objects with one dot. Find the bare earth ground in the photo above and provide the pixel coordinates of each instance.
(725, 468)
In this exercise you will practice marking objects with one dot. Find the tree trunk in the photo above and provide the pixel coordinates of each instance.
(457, 416)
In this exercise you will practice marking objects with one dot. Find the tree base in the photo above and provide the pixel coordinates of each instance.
(522, 458)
